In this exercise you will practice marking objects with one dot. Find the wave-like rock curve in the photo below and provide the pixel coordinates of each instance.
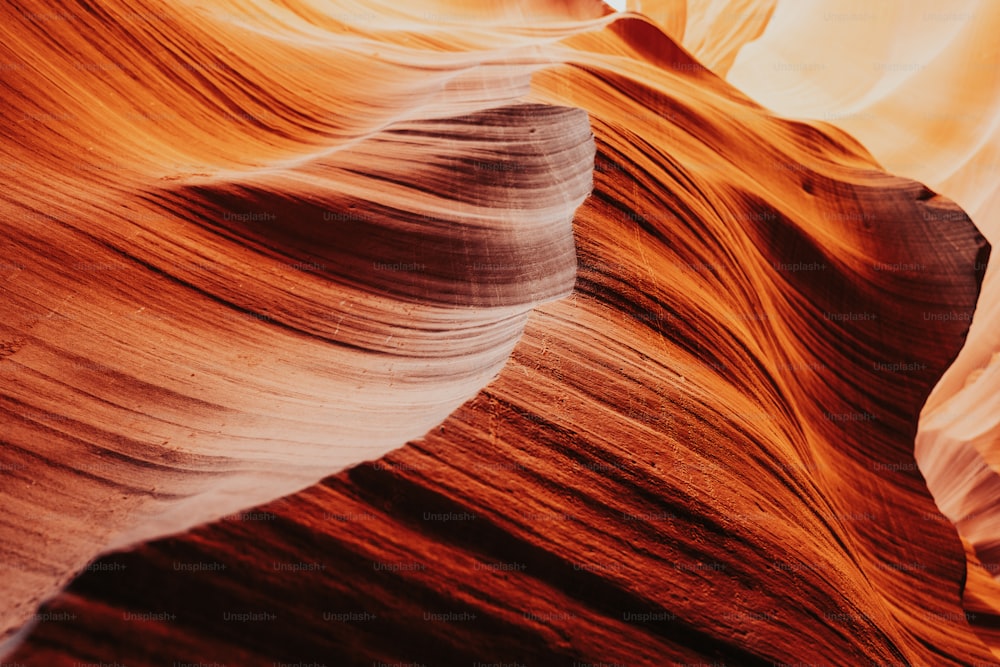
(182, 341)
(703, 454)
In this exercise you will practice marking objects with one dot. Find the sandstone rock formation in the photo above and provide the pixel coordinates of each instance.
(702, 454)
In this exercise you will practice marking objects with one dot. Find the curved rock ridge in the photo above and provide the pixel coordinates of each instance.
(258, 335)
(219, 289)
(703, 456)
(714, 31)
(919, 84)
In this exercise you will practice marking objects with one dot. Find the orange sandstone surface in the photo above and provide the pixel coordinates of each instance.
(657, 354)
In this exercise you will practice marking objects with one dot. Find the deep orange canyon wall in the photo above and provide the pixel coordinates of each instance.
(253, 244)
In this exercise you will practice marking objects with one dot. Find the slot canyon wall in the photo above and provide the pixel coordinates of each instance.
(526, 334)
